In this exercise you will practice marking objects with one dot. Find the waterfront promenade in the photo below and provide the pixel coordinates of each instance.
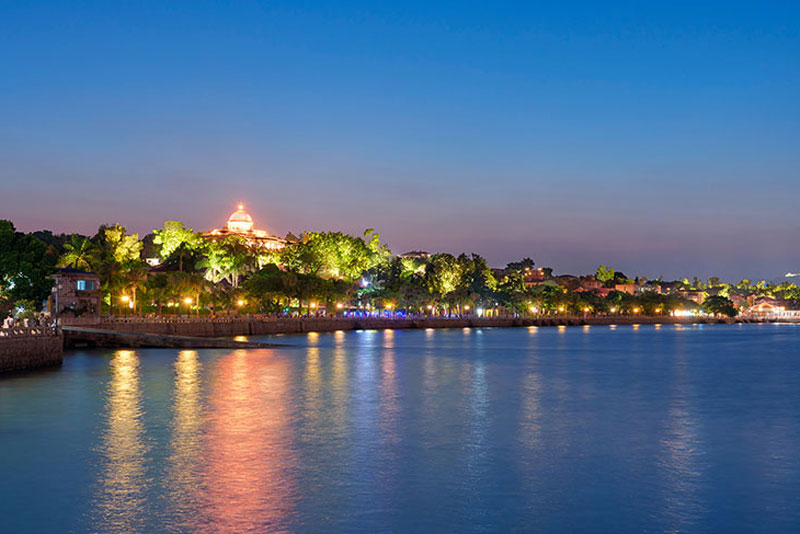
(42, 346)
(229, 327)
(30, 347)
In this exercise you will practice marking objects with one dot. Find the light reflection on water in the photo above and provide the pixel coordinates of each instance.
(248, 481)
(530, 429)
(120, 502)
(186, 445)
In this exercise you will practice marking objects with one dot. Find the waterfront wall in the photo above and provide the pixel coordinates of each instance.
(30, 348)
(242, 326)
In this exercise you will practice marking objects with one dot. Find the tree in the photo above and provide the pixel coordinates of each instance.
(80, 253)
(226, 259)
(719, 305)
(26, 264)
(176, 239)
(335, 255)
(604, 274)
(525, 264)
(118, 252)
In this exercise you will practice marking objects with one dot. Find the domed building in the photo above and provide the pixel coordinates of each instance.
(240, 223)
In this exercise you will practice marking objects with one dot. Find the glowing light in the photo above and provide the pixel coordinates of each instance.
(636, 310)
(561, 308)
(430, 307)
(613, 310)
(389, 306)
(240, 302)
(466, 307)
(339, 306)
(533, 309)
(313, 305)
(586, 310)
(187, 300)
(124, 298)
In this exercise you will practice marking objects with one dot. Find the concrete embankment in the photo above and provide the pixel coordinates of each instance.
(97, 337)
(243, 326)
(30, 348)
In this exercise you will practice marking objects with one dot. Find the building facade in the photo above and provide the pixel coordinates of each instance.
(240, 224)
(75, 293)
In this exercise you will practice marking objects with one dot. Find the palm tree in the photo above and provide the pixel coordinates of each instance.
(80, 253)
(135, 279)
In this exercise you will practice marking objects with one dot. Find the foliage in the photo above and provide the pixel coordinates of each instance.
(605, 274)
(335, 255)
(719, 305)
(25, 266)
(176, 240)
(80, 253)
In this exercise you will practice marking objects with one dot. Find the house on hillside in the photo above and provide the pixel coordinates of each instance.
(76, 293)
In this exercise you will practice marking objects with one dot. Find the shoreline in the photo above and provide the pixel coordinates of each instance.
(133, 333)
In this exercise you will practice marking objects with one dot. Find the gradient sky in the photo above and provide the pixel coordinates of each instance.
(660, 137)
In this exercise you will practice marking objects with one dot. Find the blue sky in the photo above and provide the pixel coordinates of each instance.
(660, 137)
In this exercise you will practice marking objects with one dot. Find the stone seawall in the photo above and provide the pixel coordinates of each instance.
(261, 327)
(18, 353)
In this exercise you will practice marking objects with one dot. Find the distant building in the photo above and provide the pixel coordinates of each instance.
(771, 307)
(534, 277)
(590, 283)
(630, 289)
(240, 224)
(695, 295)
(75, 293)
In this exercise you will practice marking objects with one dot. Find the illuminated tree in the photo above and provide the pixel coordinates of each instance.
(604, 274)
(119, 251)
(719, 305)
(80, 253)
(176, 239)
(335, 255)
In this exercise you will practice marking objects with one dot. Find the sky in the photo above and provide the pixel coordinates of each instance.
(662, 138)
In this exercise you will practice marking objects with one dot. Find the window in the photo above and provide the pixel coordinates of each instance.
(85, 285)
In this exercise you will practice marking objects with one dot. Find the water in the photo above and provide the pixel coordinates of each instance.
(494, 430)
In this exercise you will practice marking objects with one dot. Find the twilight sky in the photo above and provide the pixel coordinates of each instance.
(659, 137)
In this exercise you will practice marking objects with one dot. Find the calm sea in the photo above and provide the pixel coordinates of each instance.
(601, 429)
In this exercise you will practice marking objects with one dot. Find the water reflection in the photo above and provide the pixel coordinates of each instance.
(248, 482)
(120, 504)
(184, 473)
(681, 459)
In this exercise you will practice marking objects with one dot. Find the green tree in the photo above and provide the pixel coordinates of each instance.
(176, 239)
(335, 255)
(719, 305)
(118, 252)
(604, 274)
(80, 253)
(525, 264)
(25, 266)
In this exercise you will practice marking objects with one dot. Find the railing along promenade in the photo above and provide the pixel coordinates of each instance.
(29, 331)
(29, 347)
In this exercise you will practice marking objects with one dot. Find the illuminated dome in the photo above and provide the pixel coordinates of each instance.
(240, 221)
